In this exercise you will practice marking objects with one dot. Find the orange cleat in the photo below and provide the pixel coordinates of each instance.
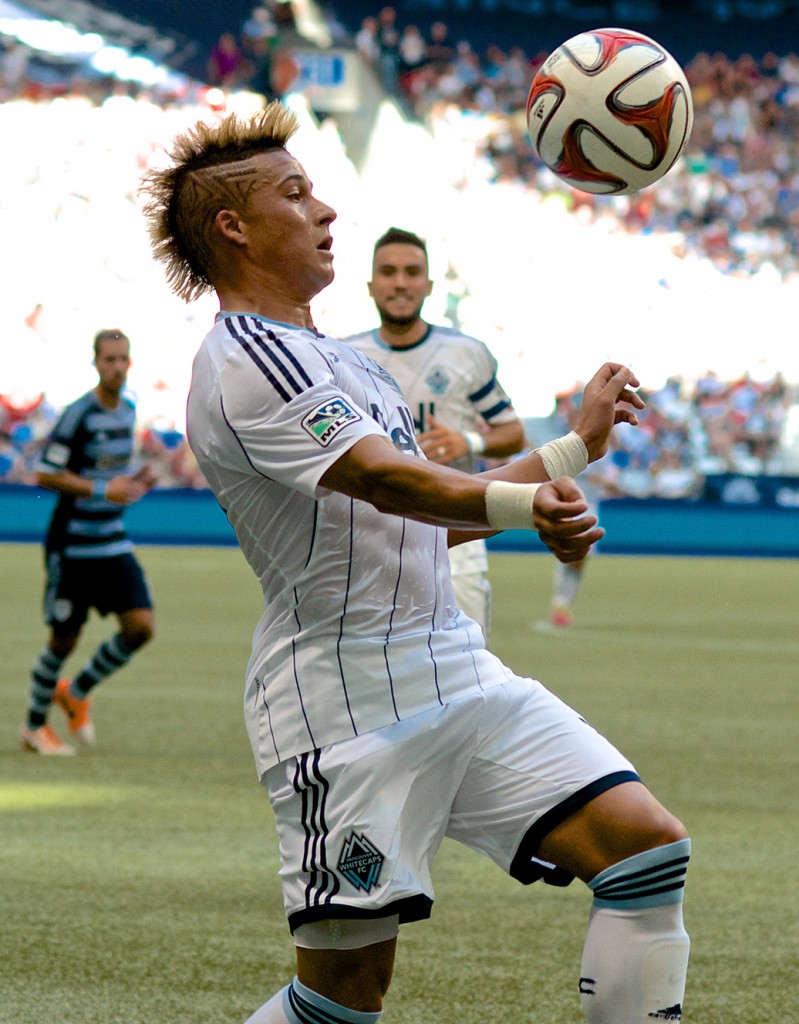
(561, 616)
(44, 741)
(81, 726)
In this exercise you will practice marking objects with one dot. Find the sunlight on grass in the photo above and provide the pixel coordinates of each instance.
(16, 796)
(153, 858)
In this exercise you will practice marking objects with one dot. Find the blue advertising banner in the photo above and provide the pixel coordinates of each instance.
(766, 529)
(765, 491)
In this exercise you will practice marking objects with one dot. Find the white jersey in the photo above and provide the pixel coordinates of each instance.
(452, 377)
(360, 627)
(446, 374)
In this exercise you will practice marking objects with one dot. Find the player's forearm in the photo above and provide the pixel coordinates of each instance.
(401, 485)
(66, 482)
(430, 494)
(527, 470)
(504, 440)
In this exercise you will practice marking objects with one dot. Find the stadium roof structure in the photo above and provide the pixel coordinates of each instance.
(181, 35)
(168, 31)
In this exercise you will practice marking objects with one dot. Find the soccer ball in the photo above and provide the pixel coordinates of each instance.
(610, 111)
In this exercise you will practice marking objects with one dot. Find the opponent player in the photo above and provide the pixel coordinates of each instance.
(460, 411)
(599, 481)
(379, 721)
(89, 557)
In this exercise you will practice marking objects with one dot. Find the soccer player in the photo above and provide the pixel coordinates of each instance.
(460, 411)
(379, 722)
(89, 557)
(599, 481)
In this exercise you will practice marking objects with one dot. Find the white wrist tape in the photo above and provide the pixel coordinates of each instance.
(510, 506)
(99, 488)
(475, 441)
(566, 456)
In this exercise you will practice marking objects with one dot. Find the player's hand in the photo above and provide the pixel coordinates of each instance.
(560, 514)
(147, 476)
(605, 402)
(125, 490)
(440, 444)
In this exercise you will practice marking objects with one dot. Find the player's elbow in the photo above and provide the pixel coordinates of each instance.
(509, 439)
(47, 480)
(517, 440)
(389, 490)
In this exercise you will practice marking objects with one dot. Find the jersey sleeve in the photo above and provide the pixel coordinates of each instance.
(490, 399)
(57, 452)
(292, 424)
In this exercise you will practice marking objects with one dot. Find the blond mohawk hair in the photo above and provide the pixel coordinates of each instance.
(182, 200)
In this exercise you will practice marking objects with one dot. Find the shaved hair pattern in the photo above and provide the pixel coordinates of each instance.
(212, 169)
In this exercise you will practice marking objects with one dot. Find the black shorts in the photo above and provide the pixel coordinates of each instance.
(75, 585)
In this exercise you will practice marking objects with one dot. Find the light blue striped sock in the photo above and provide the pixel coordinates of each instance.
(304, 1006)
(109, 657)
(653, 878)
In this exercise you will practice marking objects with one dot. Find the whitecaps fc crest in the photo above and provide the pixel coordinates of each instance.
(360, 862)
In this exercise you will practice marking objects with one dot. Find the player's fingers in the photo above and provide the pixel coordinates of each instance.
(625, 416)
(632, 398)
(623, 380)
(567, 529)
(562, 489)
(573, 549)
(616, 373)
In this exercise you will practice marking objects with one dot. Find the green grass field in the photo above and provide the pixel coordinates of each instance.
(138, 880)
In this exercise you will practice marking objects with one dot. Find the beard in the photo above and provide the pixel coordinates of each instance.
(392, 320)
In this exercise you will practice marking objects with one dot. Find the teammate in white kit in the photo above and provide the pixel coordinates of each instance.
(449, 379)
(378, 720)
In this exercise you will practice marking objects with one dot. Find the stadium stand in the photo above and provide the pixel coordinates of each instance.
(692, 281)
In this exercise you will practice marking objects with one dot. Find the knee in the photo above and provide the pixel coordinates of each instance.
(618, 824)
(62, 644)
(653, 826)
(138, 634)
(663, 828)
(355, 978)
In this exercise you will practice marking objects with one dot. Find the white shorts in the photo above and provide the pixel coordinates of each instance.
(359, 822)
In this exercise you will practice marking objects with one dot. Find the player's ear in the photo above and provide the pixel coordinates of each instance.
(230, 225)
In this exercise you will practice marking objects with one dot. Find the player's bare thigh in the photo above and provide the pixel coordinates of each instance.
(617, 824)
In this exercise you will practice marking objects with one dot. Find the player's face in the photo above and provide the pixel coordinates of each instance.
(287, 228)
(400, 283)
(112, 363)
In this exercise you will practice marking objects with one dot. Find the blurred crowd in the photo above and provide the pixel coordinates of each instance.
(685, 434)
(736, 197)
(734, 202)
(259, 55)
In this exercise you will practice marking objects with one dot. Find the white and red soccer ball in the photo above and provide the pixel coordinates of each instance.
(610, 111)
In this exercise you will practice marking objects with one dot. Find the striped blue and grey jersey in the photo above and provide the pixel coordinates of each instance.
(97, 443)
(360, 627)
